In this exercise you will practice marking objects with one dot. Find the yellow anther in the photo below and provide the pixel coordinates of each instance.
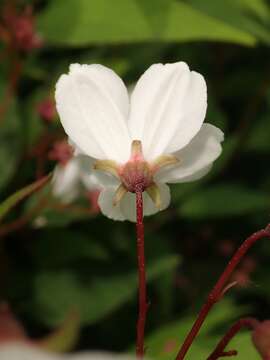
(108, 166)
(164, 160)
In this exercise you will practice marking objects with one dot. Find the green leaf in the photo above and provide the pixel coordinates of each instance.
(95, 21)
(204, 27)
(224, 200)
(98, 22)
(157, 14)
(93, 299)
(237, 14)
(18, 196)
(258, 7)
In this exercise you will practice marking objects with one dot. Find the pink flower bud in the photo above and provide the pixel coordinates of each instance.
(21, 29)
(261, 339)
(46, 110)
(61, 152)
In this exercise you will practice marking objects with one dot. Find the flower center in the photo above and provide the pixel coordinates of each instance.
(137, 174)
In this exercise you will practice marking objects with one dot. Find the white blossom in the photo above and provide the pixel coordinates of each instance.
(20, 351)
(154, 138)
(70, 178)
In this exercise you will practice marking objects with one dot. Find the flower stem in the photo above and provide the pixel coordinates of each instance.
(218, 290)
(249, 323)
(141, 275)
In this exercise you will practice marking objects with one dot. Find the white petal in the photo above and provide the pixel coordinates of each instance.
(93, 179)
(196, 158)
(92, 102)
(99, 178)
(76, 149)
(18, 351)
(66, 179)
(99, 356)
(96, 180)
(168, 106)
(126, 209)
(197, 175)
(105, 202)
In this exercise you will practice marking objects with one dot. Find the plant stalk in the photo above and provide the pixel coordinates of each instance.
(141, 275)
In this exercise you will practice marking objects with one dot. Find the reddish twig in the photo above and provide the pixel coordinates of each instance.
(249, 323)
(216, 293)
(141, 275)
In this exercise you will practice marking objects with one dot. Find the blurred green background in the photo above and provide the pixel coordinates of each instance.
(60, 258)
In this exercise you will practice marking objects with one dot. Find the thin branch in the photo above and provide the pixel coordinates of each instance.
(216, 293)
(249, 323)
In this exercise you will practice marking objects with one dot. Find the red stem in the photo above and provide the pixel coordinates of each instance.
(217, 291)
(249, 323)
(141, 275)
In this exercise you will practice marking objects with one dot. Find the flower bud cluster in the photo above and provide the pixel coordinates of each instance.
(18, 29)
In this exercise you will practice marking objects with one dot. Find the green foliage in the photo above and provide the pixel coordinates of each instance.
(239, 14)
(94, 299)
(97, 22)
(224, 200)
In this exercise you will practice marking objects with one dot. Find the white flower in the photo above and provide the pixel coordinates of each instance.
(70, 178)
(19, 351)
(157, 137)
